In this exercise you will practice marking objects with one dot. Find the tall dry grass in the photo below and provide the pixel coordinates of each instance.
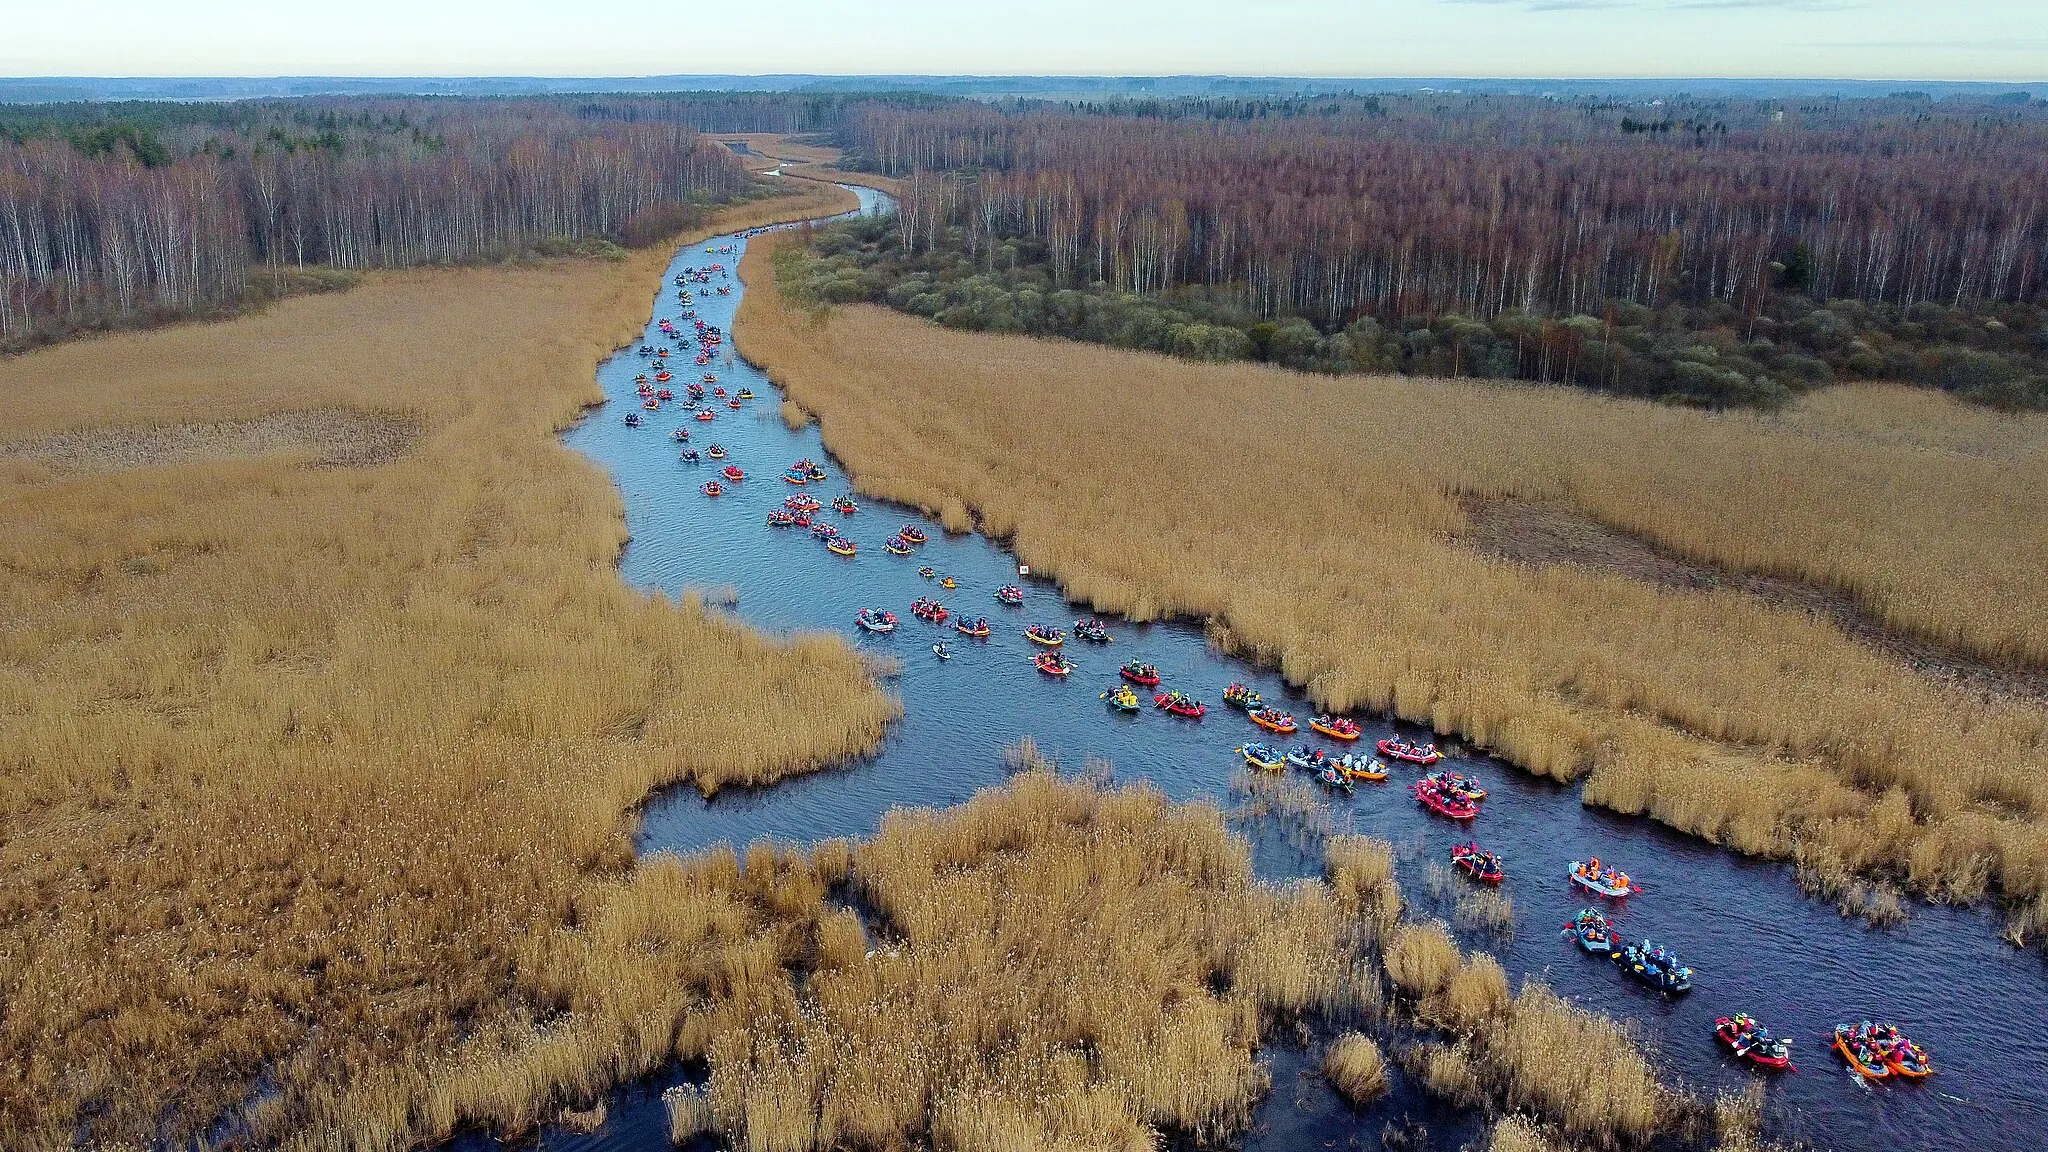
(1747, 724)
(307, 773)
(1355, 1068)
(1069, 968)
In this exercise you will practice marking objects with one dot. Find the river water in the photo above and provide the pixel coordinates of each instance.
(1757, 944)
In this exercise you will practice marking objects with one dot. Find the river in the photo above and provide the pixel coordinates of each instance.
(1757, 944)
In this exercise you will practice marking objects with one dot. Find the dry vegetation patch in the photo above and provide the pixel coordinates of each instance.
(1125, 476)
(1553, 532)
(331, 437)
(307, 775)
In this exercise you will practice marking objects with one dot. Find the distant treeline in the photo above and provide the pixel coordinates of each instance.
(115, 215)
(1673, 249)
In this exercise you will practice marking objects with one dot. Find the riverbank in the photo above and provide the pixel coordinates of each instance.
(327, 716)
(1750, 725)
(808, 161)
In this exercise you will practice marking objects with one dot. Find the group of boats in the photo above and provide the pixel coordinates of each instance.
(1651, 963)
(1875, 1051)
(1871, 1050)
(908, 538)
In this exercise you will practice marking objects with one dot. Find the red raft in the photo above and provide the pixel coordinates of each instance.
(1482, 866)
(1444, 802)
(1180, 705)
(1397, 749)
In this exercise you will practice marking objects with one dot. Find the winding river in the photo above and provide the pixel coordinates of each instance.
(1757, 944)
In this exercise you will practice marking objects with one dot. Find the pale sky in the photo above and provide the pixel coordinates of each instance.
(1845, 39)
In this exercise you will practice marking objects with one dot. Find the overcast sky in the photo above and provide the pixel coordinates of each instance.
(1851, 39)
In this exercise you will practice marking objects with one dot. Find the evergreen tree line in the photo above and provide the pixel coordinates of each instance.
(119, 215)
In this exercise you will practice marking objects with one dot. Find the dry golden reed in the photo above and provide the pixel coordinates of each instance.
(1748, 724)
(1065, 967)
(307, 772)
(1355, 1068)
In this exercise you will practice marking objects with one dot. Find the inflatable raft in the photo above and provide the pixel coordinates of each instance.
(1180, 705)
(1357, 766)
(1753, 1042)
(1593, 931)
(1273, 720)
(1335, 727)
(1263, 758)
(1138, 672)
(1602, 881)
(1399, 749)
(1241, 696)
(1480, 865)
(1444, 803)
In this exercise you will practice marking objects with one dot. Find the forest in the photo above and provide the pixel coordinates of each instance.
(127, 214)
(1708, 252)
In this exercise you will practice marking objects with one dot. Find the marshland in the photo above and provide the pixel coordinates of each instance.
(327, 679)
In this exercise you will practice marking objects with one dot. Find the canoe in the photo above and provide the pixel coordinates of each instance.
(1336, 728)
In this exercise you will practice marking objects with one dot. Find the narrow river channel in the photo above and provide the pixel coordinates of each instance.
(1757, 944)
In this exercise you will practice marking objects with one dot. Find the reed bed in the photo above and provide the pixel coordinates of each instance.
(311, 772)
(1072, 968)
(1745, 723)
